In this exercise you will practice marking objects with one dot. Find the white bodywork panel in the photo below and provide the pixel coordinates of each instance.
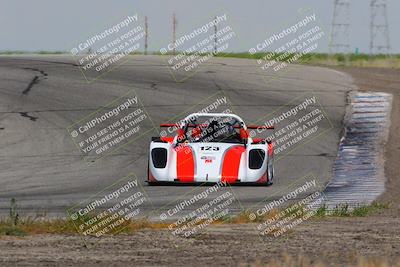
(208, 163)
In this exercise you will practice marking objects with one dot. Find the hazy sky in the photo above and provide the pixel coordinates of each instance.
(60, 25)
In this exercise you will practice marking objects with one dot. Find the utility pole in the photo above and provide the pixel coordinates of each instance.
(146, 34)
(379, 28)
(215, 38)
(174, 24)
(339, 41)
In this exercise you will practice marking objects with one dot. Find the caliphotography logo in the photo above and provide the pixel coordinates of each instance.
(108, 129)
(110, 210)
(194, 213)
(289, 43)
(104, 50)
(190, 50)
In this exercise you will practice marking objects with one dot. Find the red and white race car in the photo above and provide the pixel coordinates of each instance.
(211, 148)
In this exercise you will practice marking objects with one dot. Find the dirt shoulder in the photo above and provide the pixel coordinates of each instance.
(330, 241)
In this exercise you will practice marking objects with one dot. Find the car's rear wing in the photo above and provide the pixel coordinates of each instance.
(236, 126)
(254, 127)
(169, 125)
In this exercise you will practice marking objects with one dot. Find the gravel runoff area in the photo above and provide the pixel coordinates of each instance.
(331, 240)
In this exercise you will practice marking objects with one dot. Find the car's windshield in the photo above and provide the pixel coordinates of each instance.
(213, 129)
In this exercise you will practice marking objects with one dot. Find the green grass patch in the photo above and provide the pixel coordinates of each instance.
(354, 60)
(359, 60)
(343, 210)
(11, 231)
(41, 52)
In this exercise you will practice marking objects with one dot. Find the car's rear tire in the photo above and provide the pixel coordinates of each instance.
(270, 174)
(148, 172)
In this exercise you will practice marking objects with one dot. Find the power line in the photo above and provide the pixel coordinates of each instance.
(174, 25)
(339, 41)
(215, 38)
(146, 34)
(379, 28)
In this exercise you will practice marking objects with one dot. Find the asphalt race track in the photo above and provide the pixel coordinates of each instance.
(41, 95)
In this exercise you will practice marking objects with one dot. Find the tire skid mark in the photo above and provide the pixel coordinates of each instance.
(35, 80)
(26, 115)
(30, 85)
(358, 172)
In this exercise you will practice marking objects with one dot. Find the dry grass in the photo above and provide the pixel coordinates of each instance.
(42, 225)
(31, 225)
